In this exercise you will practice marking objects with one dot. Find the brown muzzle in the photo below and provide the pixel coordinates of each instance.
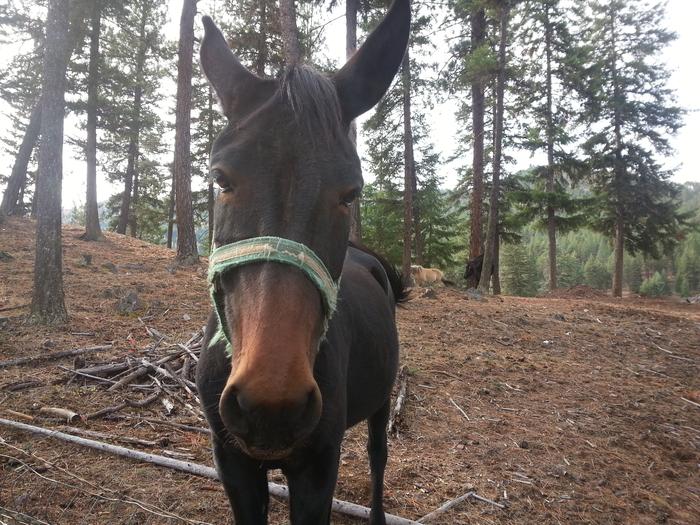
(271, 401)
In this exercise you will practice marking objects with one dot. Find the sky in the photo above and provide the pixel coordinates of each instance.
(681, 57)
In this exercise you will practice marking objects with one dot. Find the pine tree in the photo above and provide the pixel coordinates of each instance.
(254, 32)
(519, 273)
(93, 231)
(48, 304)
(491, 240)
(544, 98)
(400, 154)
(186, 239)
(22, 91)
(470, 70)
(134, 64)
(631, 112)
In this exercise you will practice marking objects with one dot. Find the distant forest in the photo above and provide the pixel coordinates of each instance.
(579, 85)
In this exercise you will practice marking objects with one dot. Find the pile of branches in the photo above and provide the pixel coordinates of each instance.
(169, 377)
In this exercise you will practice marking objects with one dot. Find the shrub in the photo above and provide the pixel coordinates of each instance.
(654, 286)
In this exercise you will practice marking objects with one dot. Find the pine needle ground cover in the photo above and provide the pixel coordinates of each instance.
(571, 408)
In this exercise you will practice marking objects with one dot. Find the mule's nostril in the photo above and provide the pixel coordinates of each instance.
(310, 412)
(233, 412)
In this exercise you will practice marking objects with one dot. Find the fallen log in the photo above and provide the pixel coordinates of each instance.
(280, 491)
(396, 412)
(53, 355)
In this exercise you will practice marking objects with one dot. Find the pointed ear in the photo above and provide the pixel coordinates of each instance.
(232, 82)
(364, 79)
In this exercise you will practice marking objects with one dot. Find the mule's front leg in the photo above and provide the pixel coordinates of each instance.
(377, 450)
(311, 487)
(245, 482)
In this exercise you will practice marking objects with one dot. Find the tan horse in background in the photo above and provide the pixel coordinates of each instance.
(426, 276)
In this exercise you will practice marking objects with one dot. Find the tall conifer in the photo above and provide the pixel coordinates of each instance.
(631, 111)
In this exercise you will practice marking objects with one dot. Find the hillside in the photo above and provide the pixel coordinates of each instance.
(574, 408)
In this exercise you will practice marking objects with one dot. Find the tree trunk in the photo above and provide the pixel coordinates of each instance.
(496, 277)
(290, 35)
(130, 195)
(262, 57)
(478, 38)
(549, 187)
(619, 254)
(171, 215)
(409, 166)
(48, 304)
(11, 204)
(133, 216)
(93, 231)
(210, 185)
(490, 251)
(350, 48)
(186, 238)
(418, 241)
(619, 168)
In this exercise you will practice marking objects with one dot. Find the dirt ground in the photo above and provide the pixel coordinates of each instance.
(574, 408)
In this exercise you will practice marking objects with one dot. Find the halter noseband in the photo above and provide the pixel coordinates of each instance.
(268, 249)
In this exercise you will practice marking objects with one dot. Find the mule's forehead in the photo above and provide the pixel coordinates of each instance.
(272, 142)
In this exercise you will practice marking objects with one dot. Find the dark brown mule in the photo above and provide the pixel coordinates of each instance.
(286, 394)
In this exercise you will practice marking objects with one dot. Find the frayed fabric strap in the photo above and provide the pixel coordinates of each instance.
(268, 249)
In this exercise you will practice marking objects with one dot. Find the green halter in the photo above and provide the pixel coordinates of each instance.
(268, 249)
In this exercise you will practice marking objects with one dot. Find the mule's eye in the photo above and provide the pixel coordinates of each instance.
(348, 198)
(221, 180)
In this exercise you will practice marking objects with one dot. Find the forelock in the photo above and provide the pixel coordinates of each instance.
(313, 99)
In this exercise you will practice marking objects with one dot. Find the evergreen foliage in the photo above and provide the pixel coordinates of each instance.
(654, 286)
(629, 113)
(519, 275)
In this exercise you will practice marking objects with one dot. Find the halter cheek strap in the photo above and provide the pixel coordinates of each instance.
(268, 249)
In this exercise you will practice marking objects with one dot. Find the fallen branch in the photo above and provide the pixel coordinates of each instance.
(403, 381)
(22, 385)
(280, 491)
(141, 371)
(60, 413)
(54, 355)
(127, 403)
(16, 307)
(125, 439)
(691, 402)
(447, 506)
(153, 420)
(459, 408)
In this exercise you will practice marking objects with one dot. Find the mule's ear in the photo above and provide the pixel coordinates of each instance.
(231, 81)
(364, 79)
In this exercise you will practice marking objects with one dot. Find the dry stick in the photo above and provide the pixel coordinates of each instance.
(19, 517)
(191, 428)
(113, 437)
(60, 413)
(140, 372)
(108, 370)
(459, 408)
(403, 378)
(54, 355)
(127, 403)
(8, 308)
(691, 402)
(185, 370)
(447, 506)
(280, 491)
(22, 385)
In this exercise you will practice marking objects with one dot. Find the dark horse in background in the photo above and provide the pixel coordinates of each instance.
(286, 168)
(472, 272)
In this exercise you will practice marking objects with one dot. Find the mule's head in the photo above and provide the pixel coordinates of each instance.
(286, 168)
